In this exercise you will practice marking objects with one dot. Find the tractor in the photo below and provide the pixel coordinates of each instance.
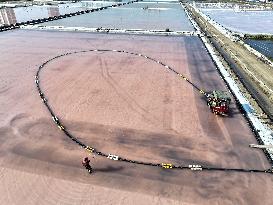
(218, 101)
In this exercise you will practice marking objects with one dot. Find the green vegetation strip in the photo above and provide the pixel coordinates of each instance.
(258, 37)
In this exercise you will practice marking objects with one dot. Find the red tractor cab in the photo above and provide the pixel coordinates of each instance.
(219, 101)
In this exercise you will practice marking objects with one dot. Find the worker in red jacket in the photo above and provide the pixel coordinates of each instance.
(86, 164)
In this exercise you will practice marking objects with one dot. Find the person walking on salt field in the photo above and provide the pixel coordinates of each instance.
(86, 164)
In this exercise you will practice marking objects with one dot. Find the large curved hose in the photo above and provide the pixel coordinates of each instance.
(89, 149)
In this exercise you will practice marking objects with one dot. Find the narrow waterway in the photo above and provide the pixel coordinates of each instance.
(263, 46)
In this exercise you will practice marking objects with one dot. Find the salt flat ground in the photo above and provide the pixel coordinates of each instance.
(124, 105)
(158, 16)
(23, 14)
(253, 22)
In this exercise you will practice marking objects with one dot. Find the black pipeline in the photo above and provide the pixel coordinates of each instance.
(57, 121)
(43, 20)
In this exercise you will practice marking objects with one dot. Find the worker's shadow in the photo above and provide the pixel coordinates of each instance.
(233, 112)
(108, 169)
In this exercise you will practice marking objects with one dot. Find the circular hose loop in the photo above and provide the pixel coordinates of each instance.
(89, 149)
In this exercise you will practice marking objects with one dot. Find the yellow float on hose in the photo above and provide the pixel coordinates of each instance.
(89, 149)
(167, 166)
(61, 127)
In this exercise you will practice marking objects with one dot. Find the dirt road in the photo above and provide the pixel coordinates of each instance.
(123, 105)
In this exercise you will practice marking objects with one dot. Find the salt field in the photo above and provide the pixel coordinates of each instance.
(146, 15)
(155, 5)
(253, 22)
(22, 14)
(99, 113)
(129, 106)
(136, 16)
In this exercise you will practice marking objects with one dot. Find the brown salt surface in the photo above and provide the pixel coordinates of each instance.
(125, 105)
